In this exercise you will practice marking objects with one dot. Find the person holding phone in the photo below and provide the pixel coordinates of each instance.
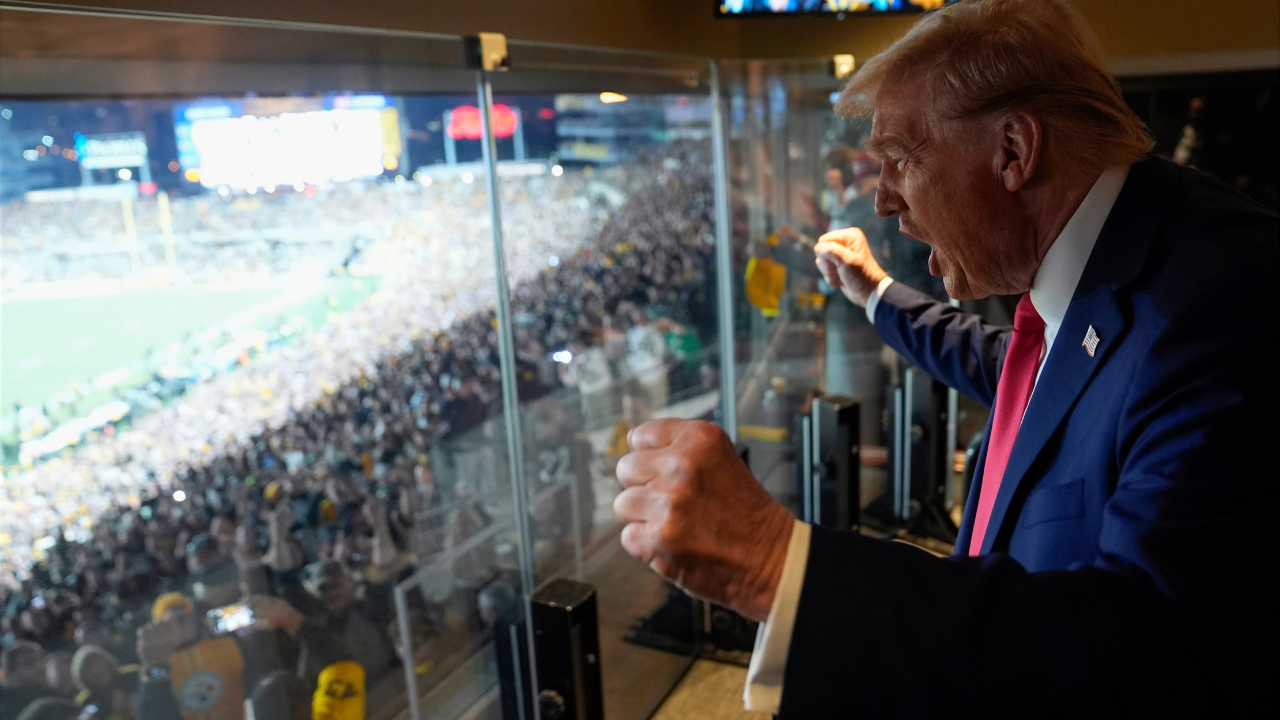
(201, 671)
(186, 673)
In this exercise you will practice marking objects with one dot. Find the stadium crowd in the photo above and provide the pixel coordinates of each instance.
(312, 479)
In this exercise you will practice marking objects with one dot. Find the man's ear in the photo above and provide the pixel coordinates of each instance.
(1020, 143)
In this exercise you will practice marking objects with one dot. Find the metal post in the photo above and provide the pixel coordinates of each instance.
(517, 140)
(166, 230)
(815, 460)
(515, 666)
(806, 470)
(897, 451)
(908, 436)
(403, 116)
(724, 263)
(131, 235)
(506, 349)
(450, 145)
(406, 652)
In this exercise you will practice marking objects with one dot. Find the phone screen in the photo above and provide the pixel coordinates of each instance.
(229, 618)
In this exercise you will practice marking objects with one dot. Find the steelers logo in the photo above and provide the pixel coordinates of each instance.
(340, 690)
(201, 691)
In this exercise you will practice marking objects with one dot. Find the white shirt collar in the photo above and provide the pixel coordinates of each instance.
(1059, 273)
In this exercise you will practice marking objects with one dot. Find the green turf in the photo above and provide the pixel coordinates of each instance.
(47, 344)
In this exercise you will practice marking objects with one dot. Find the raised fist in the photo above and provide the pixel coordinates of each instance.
(846, 262)
(698, 517)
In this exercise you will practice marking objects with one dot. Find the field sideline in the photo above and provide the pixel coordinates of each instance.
(48, 343)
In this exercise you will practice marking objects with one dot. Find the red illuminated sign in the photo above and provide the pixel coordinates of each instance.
(464, 122)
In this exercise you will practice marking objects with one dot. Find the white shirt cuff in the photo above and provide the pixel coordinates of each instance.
(874, 300)
(773, 640)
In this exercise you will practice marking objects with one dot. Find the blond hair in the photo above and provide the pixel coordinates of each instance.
(987, 58)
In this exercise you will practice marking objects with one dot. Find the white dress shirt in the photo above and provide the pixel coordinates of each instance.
(1051, 292)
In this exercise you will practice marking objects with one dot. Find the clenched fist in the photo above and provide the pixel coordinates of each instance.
(696, 515)
(846, 262)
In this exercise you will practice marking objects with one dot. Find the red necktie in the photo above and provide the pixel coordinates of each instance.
(1012, 395)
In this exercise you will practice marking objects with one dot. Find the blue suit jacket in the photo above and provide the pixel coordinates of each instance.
(1130, 559)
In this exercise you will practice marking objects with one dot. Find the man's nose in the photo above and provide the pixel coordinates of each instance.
(888, 202)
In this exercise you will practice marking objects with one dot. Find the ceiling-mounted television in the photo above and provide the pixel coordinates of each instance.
(734, 8)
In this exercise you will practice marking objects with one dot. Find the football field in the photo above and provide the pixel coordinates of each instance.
(49, 343)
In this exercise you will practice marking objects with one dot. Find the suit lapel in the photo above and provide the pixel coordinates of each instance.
(1117, 258)
(1066, 372)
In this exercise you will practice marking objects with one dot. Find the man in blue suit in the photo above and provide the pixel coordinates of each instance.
(1117, 555)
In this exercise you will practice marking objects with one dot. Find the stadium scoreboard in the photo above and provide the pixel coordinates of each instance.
(251, 143)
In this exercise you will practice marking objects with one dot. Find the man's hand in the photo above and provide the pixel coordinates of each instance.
(271, 613)
(283, 554)
(158, 641)
(697, 516)
(846, 262)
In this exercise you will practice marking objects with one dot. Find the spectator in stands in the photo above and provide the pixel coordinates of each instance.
(841, 186)
(57, 674)
(22, 682)
(348, 618)
(292, 459)
(281, 695)
(103, 692)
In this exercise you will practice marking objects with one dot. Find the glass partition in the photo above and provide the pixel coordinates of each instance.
(797, 170)
(280, 427)
(251, 356)
(610, 236)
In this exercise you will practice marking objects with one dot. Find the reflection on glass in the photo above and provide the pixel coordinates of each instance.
(619, 329)
(796, 171)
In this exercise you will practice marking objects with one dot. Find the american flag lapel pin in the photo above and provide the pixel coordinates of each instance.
(1091, 341)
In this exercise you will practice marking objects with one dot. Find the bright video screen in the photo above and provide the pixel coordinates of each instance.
(821, 7)
(270, 142)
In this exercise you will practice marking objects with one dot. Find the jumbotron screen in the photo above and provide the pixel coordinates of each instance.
(728, 8)
(263, 142)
